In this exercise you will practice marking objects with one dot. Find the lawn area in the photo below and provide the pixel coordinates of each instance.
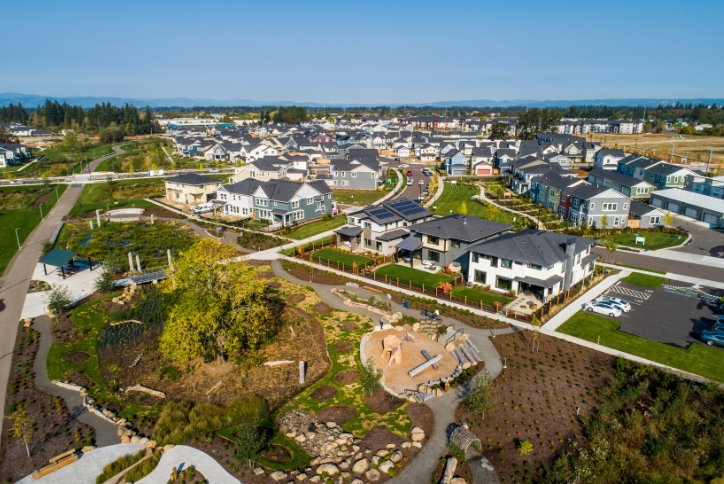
(23, 212)
(358, 197)
(654, 240)
(407, 275)
(335, 256)
(477, 296)
(699, 359)
(117, 194)
(644, 280)
(317, 227)
(139, 155)
(640, 268)
(454, 195)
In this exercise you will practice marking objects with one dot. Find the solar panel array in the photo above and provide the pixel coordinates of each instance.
(380, 213)
(407, 207)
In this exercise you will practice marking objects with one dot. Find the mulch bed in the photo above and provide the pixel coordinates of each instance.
(349, 326)
(277, 453)
(324, 393)
(379, 437)
(343, 346)
(266, 275)
(347, 377)
(296, 298)
(76, 356)
(382, 402)
(301, 271)
(421, 416)
(322, 308)
(78, 378)
(274, 285)
(339, 414)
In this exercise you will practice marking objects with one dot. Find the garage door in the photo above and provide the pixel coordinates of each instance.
(674, 207)
(692, 212)
(711, 219)
(657, 202)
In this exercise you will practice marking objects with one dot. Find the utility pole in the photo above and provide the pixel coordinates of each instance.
(671, 156)
(711, 150)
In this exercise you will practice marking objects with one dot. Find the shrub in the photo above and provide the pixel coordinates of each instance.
(46, 247)
(525, 447)
(105, 282)
(170, 372)
(58, 299)
(456, 452)
(250, 440)
(479, 396)
(144, 468)
(121, 464)
(370, 378)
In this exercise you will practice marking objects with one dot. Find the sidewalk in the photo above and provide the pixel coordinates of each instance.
(182, 457)
(438, 193)
(487, 200)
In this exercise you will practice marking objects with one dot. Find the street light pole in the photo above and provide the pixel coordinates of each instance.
(56, 194)
(41, 212)
(18, 237)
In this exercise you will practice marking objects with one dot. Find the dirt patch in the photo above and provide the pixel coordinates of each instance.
(267, 275)
(382, 402)
(340, 414)
(274, 285)
(537, 397)
(347, 377)
(343, 346)
(258, 263)
(78, 378)
(324, 393)
(296, 298)
(277, 453)
(76, 356)
(349, 326)
(322, 308)
(303, 272)
(379, 437)
(421, 416)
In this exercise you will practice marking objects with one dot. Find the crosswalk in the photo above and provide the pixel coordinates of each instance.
(632, 293)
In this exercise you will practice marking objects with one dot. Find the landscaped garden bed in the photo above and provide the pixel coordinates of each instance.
(394, 273)
(118, 194)
(257, 241)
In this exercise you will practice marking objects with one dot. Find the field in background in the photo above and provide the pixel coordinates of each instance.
(659, 145)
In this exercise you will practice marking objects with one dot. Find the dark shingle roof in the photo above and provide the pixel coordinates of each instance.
(193, 179)
(531, 247)
(245, 187)
(460, 227)
(392, 235)
(616, 177)
(641, 209)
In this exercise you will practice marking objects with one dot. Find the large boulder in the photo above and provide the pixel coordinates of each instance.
(329, 469)
(278, 475)
(361, 466)
(417, 434)
(386, 466)
(396, 456)
(372, 475)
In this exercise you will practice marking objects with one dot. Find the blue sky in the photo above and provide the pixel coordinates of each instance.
(364, 51)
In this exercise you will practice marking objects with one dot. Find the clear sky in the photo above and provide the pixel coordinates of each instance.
(364, 51)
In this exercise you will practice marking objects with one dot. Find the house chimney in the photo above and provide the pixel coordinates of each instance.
(570, 259)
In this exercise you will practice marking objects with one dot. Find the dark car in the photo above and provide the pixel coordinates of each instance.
(713, 338)
(426, 172)
(409, 172)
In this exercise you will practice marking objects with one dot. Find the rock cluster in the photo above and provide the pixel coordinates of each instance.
(126, 296)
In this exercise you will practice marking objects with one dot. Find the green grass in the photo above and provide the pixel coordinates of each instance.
(640, 268)
(26, 219)
(454, 195)
(644, 280)
(699, 359)
(334, 256)
(407, 275)
(477, 296)
(117, 194)
(317, 227)
(358, 197)
(654, 240)
(299, 457)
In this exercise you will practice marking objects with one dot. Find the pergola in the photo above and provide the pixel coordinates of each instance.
(59, 258)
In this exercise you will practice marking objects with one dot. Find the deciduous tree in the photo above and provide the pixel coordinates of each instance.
(479, 397)
(22, 427)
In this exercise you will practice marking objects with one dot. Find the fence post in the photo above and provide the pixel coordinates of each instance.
(410, 285)
(374, 275)
(337, 265)
(466, 300)
(423, 288)
(398, 282)
(481, 304)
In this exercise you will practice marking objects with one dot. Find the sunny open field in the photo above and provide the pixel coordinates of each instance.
(659, 145)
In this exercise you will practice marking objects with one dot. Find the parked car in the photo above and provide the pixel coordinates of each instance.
(426, 172)
(409, 181)
(603, 308)
(409, 172)
(713, 338)
(624, 305)
(203, 208)
(214, 170)
(718, 327)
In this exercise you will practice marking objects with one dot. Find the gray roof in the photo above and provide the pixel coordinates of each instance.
(585, 192)
(641, 209)
(665, 169)
(460, 227)
(349, 230)
(392, 235)
(283, 190)
(193, 179)
(245, 187)
(616, 177)
(531, 246)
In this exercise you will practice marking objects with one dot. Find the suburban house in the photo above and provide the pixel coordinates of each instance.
(380, 227)
(635, 166)
(642, 216)
(237, 199)
(690, 204)
(590, 204)
(665, 175)
(353, 175)
(546, 190)
(606, 159)
(288, 202)
(544, 263)
(629, 186)
(271, 168)
(562, 160)
(13, 154)
(713, 187)
(456, 163)
(191, 189)
(445, 241)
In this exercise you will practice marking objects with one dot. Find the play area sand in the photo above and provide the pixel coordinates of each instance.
(395, 375)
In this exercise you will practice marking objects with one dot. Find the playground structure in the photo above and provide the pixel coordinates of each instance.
(393, 345)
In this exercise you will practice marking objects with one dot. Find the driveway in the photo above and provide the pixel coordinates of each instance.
(704, 241)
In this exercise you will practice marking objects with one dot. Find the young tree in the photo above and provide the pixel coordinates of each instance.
(222, 306)
(58, 299)
(46, 247)
(249, 442)
(463, 208)
(604, 221)
(668, 218)
(479, 397)
(105, 282)
(370, 378)
(22, 427)
(70, 140)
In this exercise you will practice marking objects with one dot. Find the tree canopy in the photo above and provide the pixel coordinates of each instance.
(535, 121)
(499, 131)
(290, 115)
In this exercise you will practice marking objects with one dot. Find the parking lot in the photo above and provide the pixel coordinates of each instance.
(665, 314)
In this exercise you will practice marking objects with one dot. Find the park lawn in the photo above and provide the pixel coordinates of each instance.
(454, 195)
(358, 197)
(317, 227)
(699, 359)
(644, 280)
(477, 296)
(335, 256)
(654, 240)
(26, 219)
(124, 194)
(409, 275)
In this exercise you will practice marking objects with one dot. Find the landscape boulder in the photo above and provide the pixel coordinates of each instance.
(329, 469)
(417, 434)
(361, 466)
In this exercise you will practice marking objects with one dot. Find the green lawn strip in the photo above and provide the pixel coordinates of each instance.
(26, 220)
(654, 240)
(317, 227)
(310, 246)
(644, 280)
(698, 359)
(454, 195)
(334, 256)
(477, 296)
(299, 457)
(640, 268)
(358, 197)
(407, 275)
(124, 193)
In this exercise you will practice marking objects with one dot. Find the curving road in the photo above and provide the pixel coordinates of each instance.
(413, 191)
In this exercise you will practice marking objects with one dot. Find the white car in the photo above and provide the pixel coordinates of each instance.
(203, 208)
(603, 308)
(623, 305)
(409, 181)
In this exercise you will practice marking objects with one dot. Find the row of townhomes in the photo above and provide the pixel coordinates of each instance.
(17, 130)
(14, 154)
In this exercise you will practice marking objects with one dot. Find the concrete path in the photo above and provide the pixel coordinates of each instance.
(438, 192)
(88, 467)
(181, 457)
(502, 207)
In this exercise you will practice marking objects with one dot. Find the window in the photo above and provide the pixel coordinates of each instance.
(275, 203)
(481, 277)
(610, 207)
(368, 242)
(475, 257)
(310, 200)
(454, 243)
(506, 263)
(625, 206)
(535, 266)
(433, 256)
(433, 240)
(344, 173)
(503, 283)
(345, 183)
(368, 225)
(262, 202)
(299, 215)
(576, 202)
(656, 220)
(354, 174)
(563, 266)
(615, 221)
(295, 204)
(378, 245)
(591, 205)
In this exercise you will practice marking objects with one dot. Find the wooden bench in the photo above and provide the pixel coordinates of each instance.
(372, 289)
(56, 463)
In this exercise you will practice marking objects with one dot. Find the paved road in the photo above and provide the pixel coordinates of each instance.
(704, 241)
(17, 277)
(676, 267)
(413, 191)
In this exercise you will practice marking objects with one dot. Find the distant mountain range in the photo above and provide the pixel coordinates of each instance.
(33, 100)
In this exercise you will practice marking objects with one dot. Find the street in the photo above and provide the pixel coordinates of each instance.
(413, 191)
